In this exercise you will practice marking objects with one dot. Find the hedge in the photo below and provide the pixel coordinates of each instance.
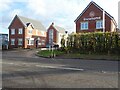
(96, 42)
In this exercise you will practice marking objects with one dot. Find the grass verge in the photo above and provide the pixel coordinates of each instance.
(62, 55)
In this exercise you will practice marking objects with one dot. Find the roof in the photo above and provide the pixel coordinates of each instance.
(92, 2)
(36, 24)
(59, 29)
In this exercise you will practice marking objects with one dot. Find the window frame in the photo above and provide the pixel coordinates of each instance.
(20, 40)
(99, 24)
(84, 26)
(20, 31)
(12, 40)
(51, 36)
(12, 30)
(30, 42)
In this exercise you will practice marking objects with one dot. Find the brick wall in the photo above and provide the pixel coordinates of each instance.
(92, 23)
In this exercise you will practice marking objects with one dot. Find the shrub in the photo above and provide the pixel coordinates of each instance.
(96, 42)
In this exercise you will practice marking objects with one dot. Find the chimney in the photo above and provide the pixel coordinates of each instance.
(52, 23)
(66, 32)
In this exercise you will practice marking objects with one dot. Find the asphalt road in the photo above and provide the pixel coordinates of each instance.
(22, 69)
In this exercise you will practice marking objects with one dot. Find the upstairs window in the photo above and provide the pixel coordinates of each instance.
(99, 24)
(84, 25)
(51, 36)
(12, 31)
(30, 31)
(20, 31)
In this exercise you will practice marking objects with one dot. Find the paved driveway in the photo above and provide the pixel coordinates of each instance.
(20, 53)
(22, 69)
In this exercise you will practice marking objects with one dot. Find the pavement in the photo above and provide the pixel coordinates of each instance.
(22, 69)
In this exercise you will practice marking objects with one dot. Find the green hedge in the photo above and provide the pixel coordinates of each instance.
(96, 42)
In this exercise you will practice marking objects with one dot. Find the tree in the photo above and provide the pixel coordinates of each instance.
(63, 42)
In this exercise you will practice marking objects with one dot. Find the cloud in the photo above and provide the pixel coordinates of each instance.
(4, 5)
(15, 12)
(61, 12)
(37, 6)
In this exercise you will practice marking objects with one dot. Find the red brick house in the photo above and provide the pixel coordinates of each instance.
(26, 33)
(94, 18)
(54, 35)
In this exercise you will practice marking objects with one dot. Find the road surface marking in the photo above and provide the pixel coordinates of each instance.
(58, 67)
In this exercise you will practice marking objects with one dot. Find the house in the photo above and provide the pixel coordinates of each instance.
(26, 33)
(3, 41)
(94, 18)
(54, 35)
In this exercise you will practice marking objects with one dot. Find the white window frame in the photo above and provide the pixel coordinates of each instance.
(20, 40)
(43, 42)
(51, 32)
(12, 31)
(99, 24)
(31, 41)
(20, 31)
(84, 25)
(12, 41)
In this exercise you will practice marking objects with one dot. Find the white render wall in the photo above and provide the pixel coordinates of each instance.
(59, 39)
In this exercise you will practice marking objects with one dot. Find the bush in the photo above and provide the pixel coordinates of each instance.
(96, 42)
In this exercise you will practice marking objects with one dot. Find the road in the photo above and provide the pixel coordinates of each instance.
(22, 69)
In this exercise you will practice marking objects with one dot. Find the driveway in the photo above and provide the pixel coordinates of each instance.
(20, 53)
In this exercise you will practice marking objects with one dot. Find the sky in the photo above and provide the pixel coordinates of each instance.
(61, 12)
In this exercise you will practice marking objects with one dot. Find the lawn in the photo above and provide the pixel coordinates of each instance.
(49, 53)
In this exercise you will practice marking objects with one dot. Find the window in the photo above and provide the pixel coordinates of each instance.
(20, 41)
(12, 31)
(99, 24)
(30, 41)
(84, 25)
(43, 42)
(30, 31)
(43, 33)
(12, 41)
(20, 31)
(51, 36)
